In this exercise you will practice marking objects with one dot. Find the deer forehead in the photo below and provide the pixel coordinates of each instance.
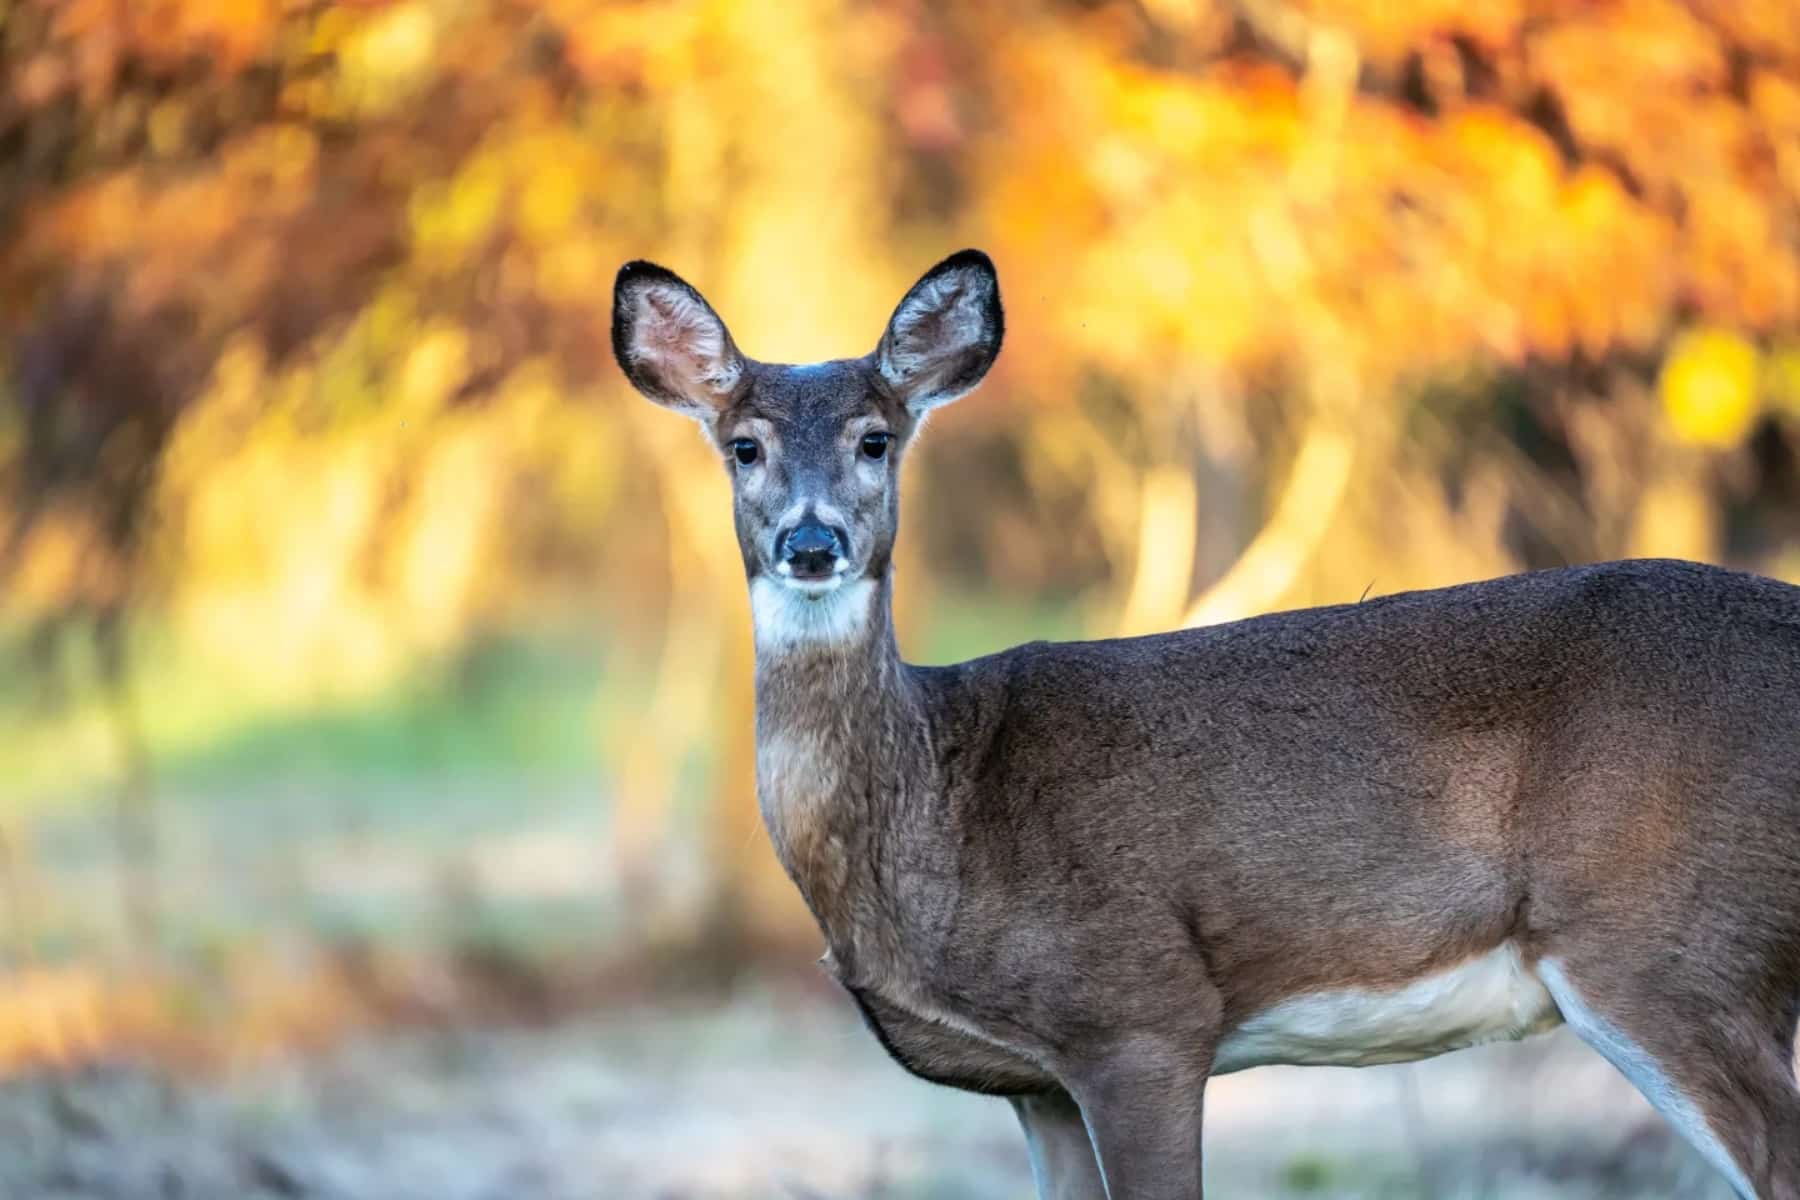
(818, 398)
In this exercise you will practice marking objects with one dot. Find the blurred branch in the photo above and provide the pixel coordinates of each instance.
(1273, 562)
(678, 714)
(1167, 531)
(1321, 472)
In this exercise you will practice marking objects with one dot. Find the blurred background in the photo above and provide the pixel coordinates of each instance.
(376, 808)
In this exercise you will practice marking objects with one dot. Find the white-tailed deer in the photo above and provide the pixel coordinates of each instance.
(1089, 876)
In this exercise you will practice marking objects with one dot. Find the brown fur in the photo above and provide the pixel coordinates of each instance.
(1073, 869)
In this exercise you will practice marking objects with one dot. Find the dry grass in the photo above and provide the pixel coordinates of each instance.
(778, 1093)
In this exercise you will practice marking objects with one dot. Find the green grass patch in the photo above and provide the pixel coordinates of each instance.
(963, 625)
(525, 700)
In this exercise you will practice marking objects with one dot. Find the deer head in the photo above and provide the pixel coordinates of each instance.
(814, 452)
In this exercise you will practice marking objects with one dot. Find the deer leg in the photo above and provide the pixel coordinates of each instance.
(1142, 1101)
(1723, 1077)
(1062, 1157)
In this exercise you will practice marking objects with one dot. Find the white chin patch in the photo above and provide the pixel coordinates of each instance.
(791, 612)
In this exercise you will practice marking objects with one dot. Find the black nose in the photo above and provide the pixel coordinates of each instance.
(811, 550)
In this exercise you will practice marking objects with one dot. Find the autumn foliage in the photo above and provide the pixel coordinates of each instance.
(303, 312)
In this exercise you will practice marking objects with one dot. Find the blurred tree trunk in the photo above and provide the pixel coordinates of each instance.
(1335, 379)
(134, 811)
(1278, 555)
(1675, 516)
(21, 917)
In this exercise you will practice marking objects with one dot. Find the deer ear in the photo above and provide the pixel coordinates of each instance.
(671, 344)
(945, 334)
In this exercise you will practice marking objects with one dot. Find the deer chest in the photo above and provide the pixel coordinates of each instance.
(934, 1049)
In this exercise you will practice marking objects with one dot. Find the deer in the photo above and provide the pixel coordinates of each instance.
(1089, 876)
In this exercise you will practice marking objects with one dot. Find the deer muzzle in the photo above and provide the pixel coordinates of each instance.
(811, 551)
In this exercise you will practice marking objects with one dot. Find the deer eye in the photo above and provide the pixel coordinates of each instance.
(744, 450)
(875, 445)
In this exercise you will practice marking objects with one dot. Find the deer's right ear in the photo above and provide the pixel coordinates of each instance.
(945, 334)
(671, 344)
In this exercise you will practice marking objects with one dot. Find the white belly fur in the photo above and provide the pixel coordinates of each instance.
(1495, 997)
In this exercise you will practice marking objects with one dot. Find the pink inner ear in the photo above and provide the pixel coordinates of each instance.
(931, 329)
(684, 345)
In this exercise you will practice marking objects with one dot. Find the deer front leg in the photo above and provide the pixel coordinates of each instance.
(1062, 1157)
(1142, 1100)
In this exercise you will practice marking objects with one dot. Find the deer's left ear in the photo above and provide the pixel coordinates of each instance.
(671, 344)
(945, 334)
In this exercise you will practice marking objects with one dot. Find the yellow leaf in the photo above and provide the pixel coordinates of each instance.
(1708, 387)
(551, 198)
(167, 127)
(436, 367)
(474, 201)
(384, 59)
(567, 272)
(1781, 376)
(396, 43)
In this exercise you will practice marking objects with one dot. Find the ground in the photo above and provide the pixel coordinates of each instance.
(778, 1093)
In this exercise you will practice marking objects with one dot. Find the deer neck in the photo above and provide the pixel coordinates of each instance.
(840, 736)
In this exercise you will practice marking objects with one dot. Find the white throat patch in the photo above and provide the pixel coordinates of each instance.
(785, 616)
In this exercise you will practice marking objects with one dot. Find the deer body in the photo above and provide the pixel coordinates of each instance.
(1087, 876)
